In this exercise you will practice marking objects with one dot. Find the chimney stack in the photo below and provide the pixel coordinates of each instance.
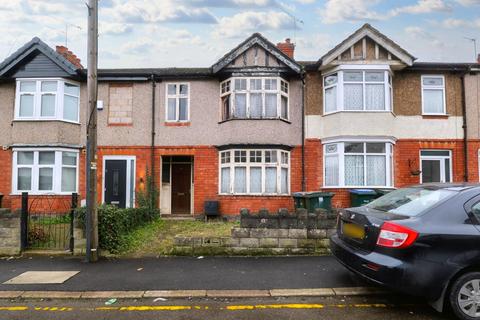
(69, 55)
(287, 47)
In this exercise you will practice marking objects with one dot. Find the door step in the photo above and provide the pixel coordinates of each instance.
(178, 217)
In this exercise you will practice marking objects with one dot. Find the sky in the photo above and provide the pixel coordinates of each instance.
(196, 33)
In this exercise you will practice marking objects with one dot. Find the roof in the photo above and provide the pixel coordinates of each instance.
(374, 34)
(158, 72)
(260, 40)
(444, 66)
(37, 45)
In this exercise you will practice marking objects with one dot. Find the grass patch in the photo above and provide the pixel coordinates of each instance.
(156, 238)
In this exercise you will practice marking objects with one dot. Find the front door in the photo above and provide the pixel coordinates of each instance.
(116, 182)
(181, 186)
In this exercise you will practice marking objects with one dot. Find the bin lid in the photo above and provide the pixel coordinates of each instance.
(312, 194)
(363, 192)
(385, 190)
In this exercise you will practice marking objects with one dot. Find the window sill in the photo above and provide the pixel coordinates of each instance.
(255, 119)
(120, 125)
(225, 195)
(357, 111)
(30, 193)
(46, 120)
(435, 116)
(177, 124)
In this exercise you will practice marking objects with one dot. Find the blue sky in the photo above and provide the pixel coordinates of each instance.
(167, 33)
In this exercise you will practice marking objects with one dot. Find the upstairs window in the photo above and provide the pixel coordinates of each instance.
(357, 90)
(178, 102)
(47, 99)
(254, 98)
(433, 95)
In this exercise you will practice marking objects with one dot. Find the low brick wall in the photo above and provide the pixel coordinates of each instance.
(9, 233)
(265, 233)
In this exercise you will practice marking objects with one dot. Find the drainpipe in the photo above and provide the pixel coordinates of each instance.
(464, 126)
(152, 160)
(303, 131)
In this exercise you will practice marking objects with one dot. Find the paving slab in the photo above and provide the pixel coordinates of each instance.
(10, 294)
(112, 294)
(175, 293)
(302, 292)
(237, 293)
(42, 277)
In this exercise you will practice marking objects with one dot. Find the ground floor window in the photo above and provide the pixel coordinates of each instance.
(45, 170)
(358, 164)
(436, 166)
(254, 171)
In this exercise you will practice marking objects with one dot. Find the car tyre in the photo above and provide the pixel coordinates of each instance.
(465, 296)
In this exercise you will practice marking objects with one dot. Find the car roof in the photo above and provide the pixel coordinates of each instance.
(459, 186)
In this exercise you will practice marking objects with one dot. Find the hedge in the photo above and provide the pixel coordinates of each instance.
(114, 223)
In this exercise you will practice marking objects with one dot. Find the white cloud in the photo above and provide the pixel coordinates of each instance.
(142, 11)
(251, 21)
(306, 1)
(468, 3)
(138, 47)
(112, 28)
(349, 10)
(426, 38)
(451, 23)
(313, 46)
(422, 6)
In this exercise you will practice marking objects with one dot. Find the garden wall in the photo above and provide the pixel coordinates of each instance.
(9, 233)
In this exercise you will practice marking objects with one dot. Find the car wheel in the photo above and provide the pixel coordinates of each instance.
(465, 296)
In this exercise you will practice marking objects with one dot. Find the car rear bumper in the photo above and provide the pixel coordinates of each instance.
(406, 277)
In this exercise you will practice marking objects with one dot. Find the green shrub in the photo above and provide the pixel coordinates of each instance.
(115, 223)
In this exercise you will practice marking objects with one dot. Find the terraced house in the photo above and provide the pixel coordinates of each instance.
(230, 133)
(246, 132)
(375, 118)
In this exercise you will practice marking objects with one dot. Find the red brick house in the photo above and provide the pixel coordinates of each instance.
(375, 118)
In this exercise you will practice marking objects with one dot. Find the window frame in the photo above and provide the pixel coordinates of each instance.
(37, 100)
(248, 164)
(442, 162)
(340, 87)
(177, 97)
(281, 83)
(434, 87)
(35, 173)
(340, 154)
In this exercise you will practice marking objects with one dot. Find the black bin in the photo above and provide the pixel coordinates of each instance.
(360, 197)
(211, 209)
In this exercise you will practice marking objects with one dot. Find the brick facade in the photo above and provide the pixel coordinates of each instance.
(406, 158)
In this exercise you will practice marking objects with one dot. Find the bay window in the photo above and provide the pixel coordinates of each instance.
(255, 172)
(254, 98)
(47, 99)
(357, 90)
(358, 164)
(433, 95)
(45, 171)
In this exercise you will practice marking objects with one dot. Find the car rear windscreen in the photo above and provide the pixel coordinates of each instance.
(410, 201)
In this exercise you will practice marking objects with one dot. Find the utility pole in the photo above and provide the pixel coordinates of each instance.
(92, 214)
(474, 41)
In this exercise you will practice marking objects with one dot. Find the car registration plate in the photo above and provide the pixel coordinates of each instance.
(353, 231)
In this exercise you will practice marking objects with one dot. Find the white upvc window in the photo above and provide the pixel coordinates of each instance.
(255, 98)
(47, 99)
(435, 165)
(254, 172)
(45, 171)
(177, 102)
(433, 95)
(354, 89)
(358, 164)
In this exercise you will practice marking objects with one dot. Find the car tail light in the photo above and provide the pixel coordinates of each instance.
(396, 236)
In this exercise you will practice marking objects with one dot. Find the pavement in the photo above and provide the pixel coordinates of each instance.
(183, 273)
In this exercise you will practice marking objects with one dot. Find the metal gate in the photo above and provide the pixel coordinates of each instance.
(47, 222)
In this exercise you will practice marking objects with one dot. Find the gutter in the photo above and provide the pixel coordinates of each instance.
(464, 126)
(303, 131)
(152, 151)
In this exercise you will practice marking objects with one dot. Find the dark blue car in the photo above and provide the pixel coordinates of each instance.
(422, 240)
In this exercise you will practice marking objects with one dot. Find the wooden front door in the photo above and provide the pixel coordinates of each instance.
(181, 188)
